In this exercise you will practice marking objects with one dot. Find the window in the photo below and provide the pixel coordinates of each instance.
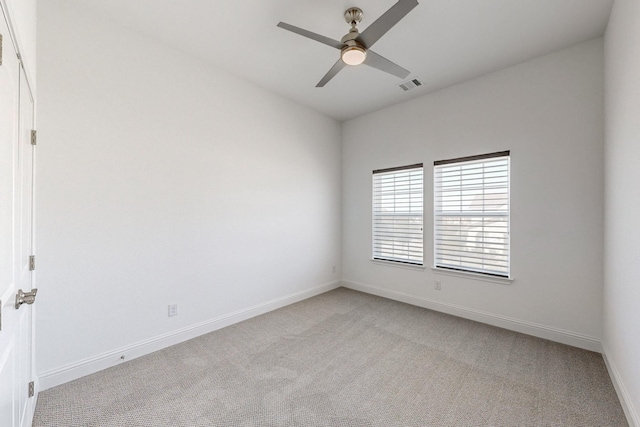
(397, 214)
(471, 214)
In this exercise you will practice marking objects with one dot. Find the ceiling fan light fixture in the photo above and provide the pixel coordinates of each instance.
(353, 55)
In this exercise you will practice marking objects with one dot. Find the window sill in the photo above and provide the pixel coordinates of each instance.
(398, 264)
(475, 276)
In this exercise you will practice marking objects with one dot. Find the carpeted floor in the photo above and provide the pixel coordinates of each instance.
(346, 358)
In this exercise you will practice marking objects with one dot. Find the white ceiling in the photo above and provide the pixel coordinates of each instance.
(443, 42)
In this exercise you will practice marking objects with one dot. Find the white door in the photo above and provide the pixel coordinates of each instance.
(25, 226)
(16, 237)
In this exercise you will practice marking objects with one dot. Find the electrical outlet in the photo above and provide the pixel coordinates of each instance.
(437, 285)
(173, 310)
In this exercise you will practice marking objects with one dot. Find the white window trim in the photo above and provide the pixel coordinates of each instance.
(472, 275)
(398, 264)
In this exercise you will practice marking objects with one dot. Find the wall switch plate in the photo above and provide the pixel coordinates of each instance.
(437, 285)
(334, 269)
(173, 310)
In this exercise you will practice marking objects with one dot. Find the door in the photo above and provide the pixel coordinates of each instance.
(16, 237)
(25, 226)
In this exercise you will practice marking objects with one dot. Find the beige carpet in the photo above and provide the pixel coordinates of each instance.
(346, 358)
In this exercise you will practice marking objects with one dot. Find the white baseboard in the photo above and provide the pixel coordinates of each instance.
(623, 395)
(517, 325)
(97, 363)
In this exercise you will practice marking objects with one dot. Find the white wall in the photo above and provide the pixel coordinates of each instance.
(162, 180)
(549, 113)
(622, 195)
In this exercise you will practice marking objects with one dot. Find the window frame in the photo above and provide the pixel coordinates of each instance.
(483, 215)
(409, 237)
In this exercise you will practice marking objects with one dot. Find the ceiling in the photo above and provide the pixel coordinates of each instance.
(443, 42)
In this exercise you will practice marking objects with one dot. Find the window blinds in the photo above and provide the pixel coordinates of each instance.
(471, 214)
(398, 214)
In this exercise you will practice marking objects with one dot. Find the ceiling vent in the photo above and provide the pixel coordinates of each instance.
(410, 84)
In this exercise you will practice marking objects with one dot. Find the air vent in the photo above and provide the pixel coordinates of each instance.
(410, 84)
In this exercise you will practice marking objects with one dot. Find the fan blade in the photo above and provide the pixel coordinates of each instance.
(383, 64)
(383, 24)
(332, 72)
(312, 36)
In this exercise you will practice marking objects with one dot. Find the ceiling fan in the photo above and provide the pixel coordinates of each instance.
(355, 47)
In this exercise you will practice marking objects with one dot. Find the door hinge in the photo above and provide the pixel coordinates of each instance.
(32, 389)
(34, 137)
(32, 262)
(0, 49)
(23, 297)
